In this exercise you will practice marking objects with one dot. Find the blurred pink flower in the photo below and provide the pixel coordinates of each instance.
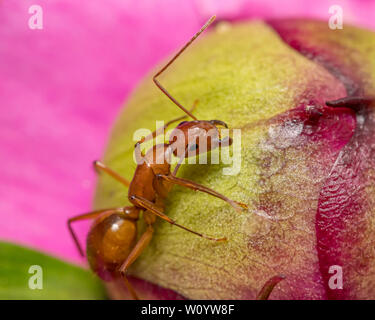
(62, 86)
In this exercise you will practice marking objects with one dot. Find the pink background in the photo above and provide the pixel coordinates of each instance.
(61, 88)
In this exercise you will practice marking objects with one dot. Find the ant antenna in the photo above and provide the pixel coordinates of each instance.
(171, 61)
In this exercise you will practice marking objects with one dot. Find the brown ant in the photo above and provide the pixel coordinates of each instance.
(112, 244)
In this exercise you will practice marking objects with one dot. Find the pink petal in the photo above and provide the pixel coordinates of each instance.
(354, 11)
(61, 88)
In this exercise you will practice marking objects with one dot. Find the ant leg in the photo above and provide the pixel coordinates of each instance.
(130, 288)
(171, 61)
(161, 129)
(85, 216)
(195, 186)
(265, 292)
(102, 167)
(150, 206)
(142, 243)
(178, 165)
(158, 131)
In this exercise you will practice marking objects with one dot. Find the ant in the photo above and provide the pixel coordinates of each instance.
(112, 245)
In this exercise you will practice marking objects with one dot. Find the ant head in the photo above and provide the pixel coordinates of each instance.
(190, 138)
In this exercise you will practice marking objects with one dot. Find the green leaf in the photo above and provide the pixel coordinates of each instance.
(60, 280)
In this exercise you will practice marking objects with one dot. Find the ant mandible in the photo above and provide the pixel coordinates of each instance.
(112, 244)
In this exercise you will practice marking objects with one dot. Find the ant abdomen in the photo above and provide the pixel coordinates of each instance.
(109, 242)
